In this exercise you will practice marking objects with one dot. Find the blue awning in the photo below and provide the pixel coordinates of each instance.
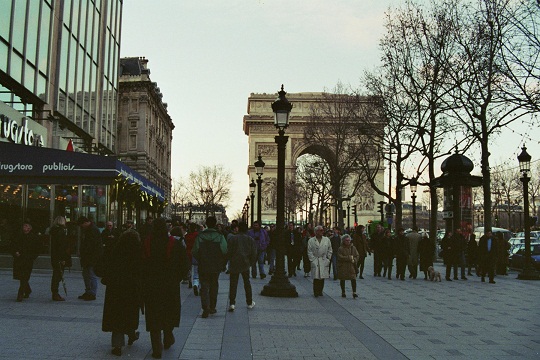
(21, 164)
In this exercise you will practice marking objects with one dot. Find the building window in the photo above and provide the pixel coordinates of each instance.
(132, 141)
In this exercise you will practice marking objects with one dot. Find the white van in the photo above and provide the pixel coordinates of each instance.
(479, 232)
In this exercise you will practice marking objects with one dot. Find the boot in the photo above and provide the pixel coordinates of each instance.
(57, 297)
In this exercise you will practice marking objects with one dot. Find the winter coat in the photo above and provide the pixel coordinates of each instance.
(190, 241)
(414, 239)
(426, 249)
(123, 294)
(241, 252)
(209, 250)
(401, 247)
(361, 245)
(28, 246)
(319, 254)
(162, 274)
(293, 249)
(261, 238)
(450, 250)
(472, 250)
(60, 247)
(347, 257)
(91, 250)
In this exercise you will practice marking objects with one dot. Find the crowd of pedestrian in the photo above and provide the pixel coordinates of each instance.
(142, 270)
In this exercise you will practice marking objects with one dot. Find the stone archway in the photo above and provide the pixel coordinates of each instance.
(258, 125)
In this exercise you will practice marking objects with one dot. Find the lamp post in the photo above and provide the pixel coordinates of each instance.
(247, 209)
(252, 187)
(279, 285)
(190, 206)
(528, 272)
(414, 186)
(259, 168)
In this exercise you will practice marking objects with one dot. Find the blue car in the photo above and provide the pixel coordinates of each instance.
(516, 260)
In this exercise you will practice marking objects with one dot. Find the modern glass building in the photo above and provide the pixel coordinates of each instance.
(59, 63)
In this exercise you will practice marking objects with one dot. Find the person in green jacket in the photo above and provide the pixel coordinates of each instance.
(209, 250)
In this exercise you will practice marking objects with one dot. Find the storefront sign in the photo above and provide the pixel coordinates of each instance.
(35, 165)
(18, 129)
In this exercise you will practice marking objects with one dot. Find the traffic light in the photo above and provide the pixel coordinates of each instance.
(381, 207)
(354, 209)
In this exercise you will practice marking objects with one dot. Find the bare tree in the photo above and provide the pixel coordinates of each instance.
(534, 190)
(179, 196)
(331, 132)
(521, 55)
(480, 74)
(209, 185)
(508, 188)
(312, 175)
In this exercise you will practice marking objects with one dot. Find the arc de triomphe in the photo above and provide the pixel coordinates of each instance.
(259, 127)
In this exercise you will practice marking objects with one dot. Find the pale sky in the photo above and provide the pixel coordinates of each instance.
(207, 57)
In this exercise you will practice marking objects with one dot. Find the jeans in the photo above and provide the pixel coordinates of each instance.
(462, 263)
(260, 260)
(195, 273)
(233, 286)
(90, 280)
(272, 260)
(209, 290)
(334, 265)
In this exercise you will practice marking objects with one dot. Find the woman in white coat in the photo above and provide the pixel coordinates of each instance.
(319, 253)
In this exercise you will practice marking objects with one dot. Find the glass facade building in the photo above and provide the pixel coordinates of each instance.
(59, 63)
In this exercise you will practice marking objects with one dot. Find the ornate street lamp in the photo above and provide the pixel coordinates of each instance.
(279, 285)
(252, 187)
(528, 272)
(247, 209)
(414, 186)
(259, 168)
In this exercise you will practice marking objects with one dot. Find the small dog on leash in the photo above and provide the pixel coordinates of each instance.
(433, 275)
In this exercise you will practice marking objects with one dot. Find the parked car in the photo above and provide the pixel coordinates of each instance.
(535, 234)
(515, 248)
(516, 260)
(516, 240)
(479, 232)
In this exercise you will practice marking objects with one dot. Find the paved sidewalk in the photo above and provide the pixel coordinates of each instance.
(412, 319)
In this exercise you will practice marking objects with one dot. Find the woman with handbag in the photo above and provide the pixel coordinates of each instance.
(347, 257)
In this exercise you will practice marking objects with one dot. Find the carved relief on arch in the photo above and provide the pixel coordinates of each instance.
(298, 146)
(266, 150)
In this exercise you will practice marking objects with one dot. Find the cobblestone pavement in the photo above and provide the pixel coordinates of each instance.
(392, 319)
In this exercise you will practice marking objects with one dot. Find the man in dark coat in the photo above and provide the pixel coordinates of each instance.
(60, 254)
(401, 248)
(241, 253)
(487, 251)
(209, 251)
(376, 242)
(91, 253)
(123, 294)
(293, 239)
(472, 253)
(25, 249)
(165, 264)
(335, 240)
